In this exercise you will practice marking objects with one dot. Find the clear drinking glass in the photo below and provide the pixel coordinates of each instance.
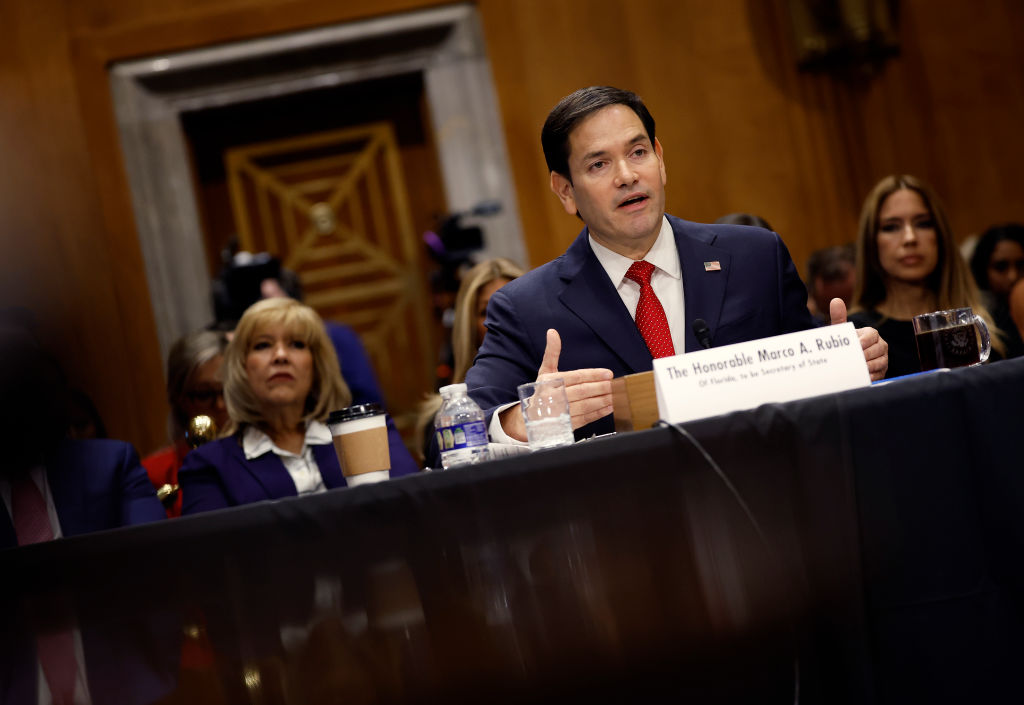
(546, 413)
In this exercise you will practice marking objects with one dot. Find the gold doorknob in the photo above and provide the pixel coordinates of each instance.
(323, 219)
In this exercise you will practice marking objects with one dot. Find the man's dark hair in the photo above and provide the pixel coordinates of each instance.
(571, 109)
(831, 263)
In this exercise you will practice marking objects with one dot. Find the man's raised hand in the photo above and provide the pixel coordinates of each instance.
(876, 350)
(589, 391)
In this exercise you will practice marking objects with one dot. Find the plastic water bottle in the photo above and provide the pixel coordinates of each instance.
(460, 427)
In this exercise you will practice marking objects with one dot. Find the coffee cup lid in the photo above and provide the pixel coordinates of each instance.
(359, 411)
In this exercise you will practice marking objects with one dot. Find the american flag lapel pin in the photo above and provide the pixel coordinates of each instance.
(713, 266)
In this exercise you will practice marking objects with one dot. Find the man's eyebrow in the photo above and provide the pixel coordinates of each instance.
(591, 155)
(640, 137)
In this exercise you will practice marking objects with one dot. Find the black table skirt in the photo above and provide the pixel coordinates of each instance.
(862, 547)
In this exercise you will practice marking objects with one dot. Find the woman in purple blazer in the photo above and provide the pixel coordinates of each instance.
(282, 379)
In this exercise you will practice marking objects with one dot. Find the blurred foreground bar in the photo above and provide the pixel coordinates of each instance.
(621, 569)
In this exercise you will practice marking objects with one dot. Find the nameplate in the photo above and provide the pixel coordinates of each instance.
(742, 376)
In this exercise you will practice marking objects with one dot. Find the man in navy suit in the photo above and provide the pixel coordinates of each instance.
(93, 485)
(50, 488)
(83, 486)
(90, 485)
(576, 313)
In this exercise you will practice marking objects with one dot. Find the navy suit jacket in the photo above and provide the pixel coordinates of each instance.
(96, 485)
(218, 475)
(757, 293)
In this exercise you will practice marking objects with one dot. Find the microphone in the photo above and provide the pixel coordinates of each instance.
(700, 329)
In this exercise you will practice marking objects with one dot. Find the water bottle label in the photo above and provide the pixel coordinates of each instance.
(465, 435)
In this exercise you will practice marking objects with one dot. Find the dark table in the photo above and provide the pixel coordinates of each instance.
(866, 546)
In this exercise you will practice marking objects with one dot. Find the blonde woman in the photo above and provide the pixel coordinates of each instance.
(281, 381)
(478, 284)
(908, 264)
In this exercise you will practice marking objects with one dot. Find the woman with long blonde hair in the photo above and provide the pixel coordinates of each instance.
(468, 330)
(478, 284)
(281, 381)
(908, 264)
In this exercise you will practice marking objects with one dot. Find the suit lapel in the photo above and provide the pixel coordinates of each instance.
(330, 469)
(70, 500)
(590, 294)
(270, 474)
(703, 290)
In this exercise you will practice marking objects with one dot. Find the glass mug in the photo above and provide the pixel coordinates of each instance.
(948, 339)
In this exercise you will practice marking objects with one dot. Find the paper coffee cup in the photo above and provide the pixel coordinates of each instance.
(361, 442)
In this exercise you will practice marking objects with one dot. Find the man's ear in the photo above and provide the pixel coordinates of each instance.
(562, 187)
(661, 158)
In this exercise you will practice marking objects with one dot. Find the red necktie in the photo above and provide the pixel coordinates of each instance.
(28, 509)
(56, 650)
(650, 316)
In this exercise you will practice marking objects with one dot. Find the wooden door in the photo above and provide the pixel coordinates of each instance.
(333, 207)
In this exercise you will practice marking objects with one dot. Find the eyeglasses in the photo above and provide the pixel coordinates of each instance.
(206, 397)
(1003, 266)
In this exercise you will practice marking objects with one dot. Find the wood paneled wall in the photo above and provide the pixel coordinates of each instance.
(743, 130)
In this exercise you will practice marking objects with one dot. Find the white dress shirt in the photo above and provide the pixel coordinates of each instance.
(666, 280)
(301, 466)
